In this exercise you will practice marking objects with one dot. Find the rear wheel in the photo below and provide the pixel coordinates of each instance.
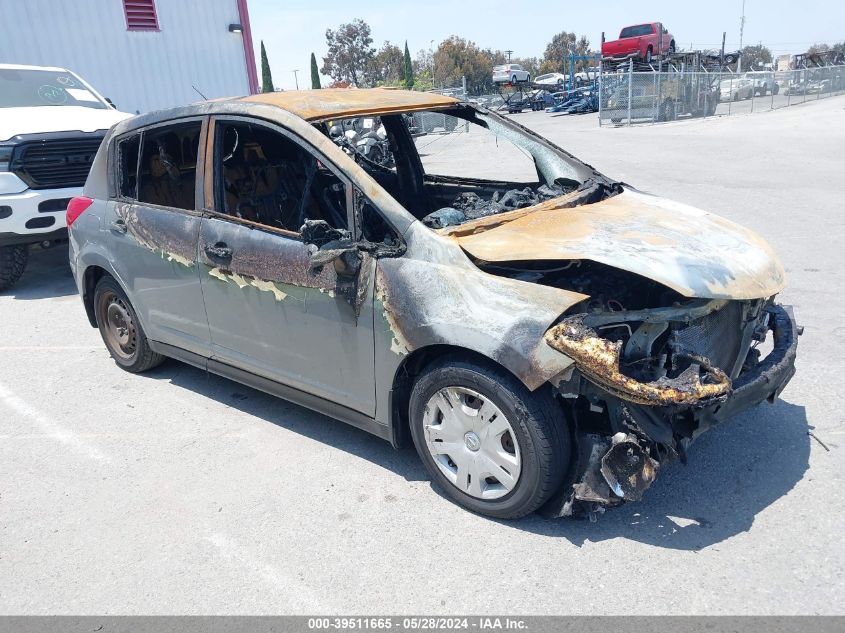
(648, 55)
(121, 331)
(493, 446)
(13, 261)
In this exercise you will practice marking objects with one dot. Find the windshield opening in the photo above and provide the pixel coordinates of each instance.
(451, 166)
(22, 88)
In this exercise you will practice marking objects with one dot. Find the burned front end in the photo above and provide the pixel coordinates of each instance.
(646, 382)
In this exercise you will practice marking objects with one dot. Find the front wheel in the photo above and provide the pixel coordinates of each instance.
(13, 260)
(494, 447)
(121, 331)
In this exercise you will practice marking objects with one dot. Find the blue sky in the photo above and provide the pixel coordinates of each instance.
(292, 29)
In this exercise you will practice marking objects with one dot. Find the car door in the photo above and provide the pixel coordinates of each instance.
(152, 228)
(268, 312)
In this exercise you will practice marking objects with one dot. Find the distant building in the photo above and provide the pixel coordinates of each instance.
(142, 54)
(785, 62)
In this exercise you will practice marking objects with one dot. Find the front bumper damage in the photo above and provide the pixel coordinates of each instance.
(643, 424)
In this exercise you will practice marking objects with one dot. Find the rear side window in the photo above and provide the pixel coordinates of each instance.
(637, 31)
(168, 165)
(127, 167)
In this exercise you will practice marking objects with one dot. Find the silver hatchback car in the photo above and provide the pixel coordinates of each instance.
(544, 336)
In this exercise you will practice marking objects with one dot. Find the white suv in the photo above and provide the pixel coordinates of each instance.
(510, 73)
(51, 125)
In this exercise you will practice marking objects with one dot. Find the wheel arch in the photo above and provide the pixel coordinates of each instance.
(411, 367)
(90, 278)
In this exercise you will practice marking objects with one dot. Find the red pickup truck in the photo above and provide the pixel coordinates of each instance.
(642, 41)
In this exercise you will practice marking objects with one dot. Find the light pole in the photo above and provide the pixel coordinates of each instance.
(295, 78)
(431, 49)
(741, 29)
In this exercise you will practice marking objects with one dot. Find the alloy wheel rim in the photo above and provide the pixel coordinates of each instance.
(472, 443)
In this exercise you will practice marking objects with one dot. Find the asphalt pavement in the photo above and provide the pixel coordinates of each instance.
(177, 492)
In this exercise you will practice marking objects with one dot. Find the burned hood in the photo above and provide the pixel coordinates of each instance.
(696, 253)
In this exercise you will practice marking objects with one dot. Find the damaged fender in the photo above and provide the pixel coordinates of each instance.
(454, 303)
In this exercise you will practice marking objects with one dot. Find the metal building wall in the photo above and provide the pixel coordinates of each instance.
(138, 70)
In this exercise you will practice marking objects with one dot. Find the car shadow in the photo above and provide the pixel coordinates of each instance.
(734, 471)
(47, 275)
(293, 417)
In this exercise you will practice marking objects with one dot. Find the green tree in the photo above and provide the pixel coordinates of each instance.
(385, 68)
(457, 58)
(558, 51)
(756, 57)
(408, 68)
(266, 77)
(350, 52)
(315, 74)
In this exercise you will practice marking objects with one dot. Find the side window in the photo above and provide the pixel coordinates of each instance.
(263, 176)
(127, 167)
(168, 167)
(374, 228)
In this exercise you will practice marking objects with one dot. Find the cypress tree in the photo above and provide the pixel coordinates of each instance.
(409, 68)
(266, 77)
(315, 74)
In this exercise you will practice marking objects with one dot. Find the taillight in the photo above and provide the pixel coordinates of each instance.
(75, 208)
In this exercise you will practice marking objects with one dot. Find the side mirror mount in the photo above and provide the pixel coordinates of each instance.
(329, 245)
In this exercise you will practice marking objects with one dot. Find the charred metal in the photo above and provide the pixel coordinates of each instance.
(625, 429)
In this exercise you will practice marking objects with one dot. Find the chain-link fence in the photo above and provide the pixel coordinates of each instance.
(627, 97)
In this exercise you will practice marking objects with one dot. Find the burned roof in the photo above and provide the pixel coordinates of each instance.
(331, 103)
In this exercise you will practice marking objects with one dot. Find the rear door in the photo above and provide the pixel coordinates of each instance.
(152, 227)
(268, 313)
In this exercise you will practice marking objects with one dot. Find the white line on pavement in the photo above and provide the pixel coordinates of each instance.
(51, 428)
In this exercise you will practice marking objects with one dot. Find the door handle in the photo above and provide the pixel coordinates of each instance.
(219, 250)
(119, 226)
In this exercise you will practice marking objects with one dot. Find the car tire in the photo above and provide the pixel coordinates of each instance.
(13, 260)
(649, 53)
(530, 437)
(121, 330)
(513, 79)
(672, 47)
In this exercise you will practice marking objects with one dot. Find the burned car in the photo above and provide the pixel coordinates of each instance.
(545, 336)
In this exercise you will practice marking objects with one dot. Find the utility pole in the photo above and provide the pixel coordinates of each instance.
(295, 78)
(509, 55)
(741, 29)
(431, 48)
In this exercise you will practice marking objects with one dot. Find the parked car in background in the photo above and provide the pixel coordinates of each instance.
(642, 41)
(764, 82)
(51, 125)
(551, 79)
(736, 89)
(543, 335)
(510, 73)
